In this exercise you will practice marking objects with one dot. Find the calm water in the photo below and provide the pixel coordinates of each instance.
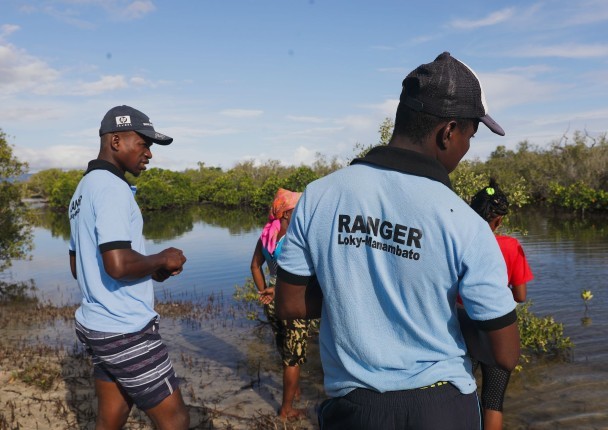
(566, 254)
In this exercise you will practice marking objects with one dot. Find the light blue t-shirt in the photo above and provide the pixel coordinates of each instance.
(103, 216)
(391, 251)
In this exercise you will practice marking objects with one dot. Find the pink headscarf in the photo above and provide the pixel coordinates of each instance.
(284, 200)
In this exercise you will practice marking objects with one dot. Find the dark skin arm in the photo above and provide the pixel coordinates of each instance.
(298, 301)
(73, 265)
(257, 261)
(505, 346)
(127, 264)
(519, 293)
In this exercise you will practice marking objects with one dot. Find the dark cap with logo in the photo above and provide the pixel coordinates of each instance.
(125, 118)
(447, 88)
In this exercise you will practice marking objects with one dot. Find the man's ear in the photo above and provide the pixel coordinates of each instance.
(445, 135)
(115, 142)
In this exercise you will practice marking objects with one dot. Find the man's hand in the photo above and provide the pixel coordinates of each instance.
(174, 262)
(161, 275)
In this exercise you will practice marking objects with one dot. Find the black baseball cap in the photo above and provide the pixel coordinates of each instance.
(125, 118)
(447, 88)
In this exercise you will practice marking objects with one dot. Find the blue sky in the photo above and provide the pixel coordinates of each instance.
(235, 80)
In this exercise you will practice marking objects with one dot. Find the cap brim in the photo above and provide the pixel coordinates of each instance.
(156, 137)
(492, 125)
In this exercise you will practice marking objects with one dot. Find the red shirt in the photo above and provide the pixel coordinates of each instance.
(518, 270)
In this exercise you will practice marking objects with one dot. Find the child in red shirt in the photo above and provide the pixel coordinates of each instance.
(492, 204)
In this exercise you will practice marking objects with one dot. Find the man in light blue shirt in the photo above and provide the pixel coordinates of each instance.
(380, 249)
(116, 321)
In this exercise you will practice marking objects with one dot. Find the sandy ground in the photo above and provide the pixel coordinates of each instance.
(229, 371)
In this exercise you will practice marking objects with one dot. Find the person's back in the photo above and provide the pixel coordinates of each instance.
(391, 246)
(390, 261)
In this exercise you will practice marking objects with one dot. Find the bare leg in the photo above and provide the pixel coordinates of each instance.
(171, 413)
(291, 381)
(113, 406)
(492, 420)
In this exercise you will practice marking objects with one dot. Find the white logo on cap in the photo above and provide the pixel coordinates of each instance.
(123, 120)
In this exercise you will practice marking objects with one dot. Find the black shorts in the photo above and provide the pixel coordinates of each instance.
(442, 407)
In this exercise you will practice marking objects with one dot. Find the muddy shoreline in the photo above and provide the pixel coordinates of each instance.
(228, 370)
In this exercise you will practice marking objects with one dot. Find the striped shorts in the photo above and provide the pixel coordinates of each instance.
(139, 362)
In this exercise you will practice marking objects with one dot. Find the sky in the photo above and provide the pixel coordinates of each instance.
(239, 80)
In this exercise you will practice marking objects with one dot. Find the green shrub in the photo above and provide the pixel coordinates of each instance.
(63, 189)
(541, 336)
(160, 189)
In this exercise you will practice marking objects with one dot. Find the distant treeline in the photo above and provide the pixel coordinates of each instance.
(569, 174)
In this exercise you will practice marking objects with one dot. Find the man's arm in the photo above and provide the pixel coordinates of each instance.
(297, 300)
(505, 346)
(73, 264)
(126, 264)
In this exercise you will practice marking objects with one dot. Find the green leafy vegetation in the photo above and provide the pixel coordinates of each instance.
(15, 227)
(541, 336)
(569, 174)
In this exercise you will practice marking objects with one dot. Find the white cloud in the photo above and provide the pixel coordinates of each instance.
(7, 29)
(241, 113)
(492, 19)
(303, 155)
(139, 81)
(588, 12)
(387, 108)
(135, 10)
(565, 50)
(70, 11)
(505, 90)
(187, 133)
(20, 72)
(309, 119)
(58, 156)
(103, 85)
(314, 131)
(14, 113)
(396, 70)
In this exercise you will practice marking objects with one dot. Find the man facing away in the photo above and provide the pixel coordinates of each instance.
(116, 320)
(381, 249)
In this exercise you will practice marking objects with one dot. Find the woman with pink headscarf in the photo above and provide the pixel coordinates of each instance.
(290, 335)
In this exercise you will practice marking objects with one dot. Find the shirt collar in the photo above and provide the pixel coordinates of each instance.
(106, 165)
(406, 161)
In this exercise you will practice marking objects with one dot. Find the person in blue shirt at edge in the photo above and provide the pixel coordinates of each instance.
(380, 249)
(116, 321)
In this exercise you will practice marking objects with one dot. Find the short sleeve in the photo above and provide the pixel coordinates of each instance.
(112, 207)
(483, 283)
(295, 255)
(520, 272)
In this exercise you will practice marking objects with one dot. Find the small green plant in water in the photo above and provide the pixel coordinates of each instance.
(586, 296)
(249, 297)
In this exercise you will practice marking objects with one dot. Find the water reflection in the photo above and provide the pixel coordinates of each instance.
(166, 224)
(161, 226)
(56, 222)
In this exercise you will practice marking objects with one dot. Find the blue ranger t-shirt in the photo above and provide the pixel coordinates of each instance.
(391, 245)
(104, 216)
